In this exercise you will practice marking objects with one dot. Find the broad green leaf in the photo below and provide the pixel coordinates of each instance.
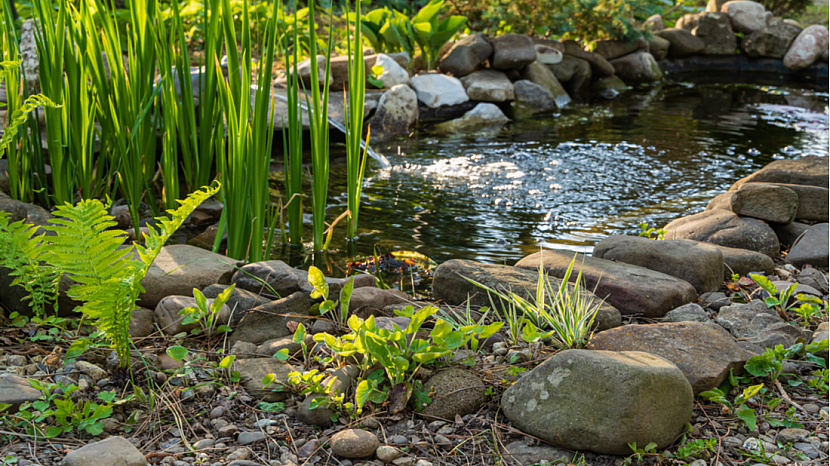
(771, 301)
(268, 380)
(54, 431)
(428, 12)
(299, 334)
(441, 329)
(227, 361)
(177, 352)
(223, 329)
(4, 406)
(327, 306)
(362, 394)
(318, 281)
(764, 283)
(282, 354)
(201, 301)
(748, 416)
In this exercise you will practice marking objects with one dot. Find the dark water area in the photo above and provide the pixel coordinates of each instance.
(569, 179)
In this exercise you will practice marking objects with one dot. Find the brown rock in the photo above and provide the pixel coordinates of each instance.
(725, 228)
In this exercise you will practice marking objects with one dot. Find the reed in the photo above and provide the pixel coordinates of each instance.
(293, 142)
(355, 164)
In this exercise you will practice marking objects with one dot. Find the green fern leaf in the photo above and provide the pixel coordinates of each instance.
(22, 251)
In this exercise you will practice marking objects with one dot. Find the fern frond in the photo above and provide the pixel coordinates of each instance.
(22, 251)
(19, 117)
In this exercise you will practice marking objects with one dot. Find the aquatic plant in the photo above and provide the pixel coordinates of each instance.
(355, 164)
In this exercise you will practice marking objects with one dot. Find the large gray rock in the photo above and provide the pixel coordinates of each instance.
(658, 47)
(575, 74)
(16, 209)
(179, 268)
(745, 16)
(813, 201)
(482, 115)
(531, 98)
(743, 261)
(437, 90)
(810, 44)
(540, 74)
(599, 65)
(465, 55)
(700, 264)
(397, 113)
(113, 451)
(789, 234)
(457, 392)
(705, 352)
(16, 390)
(253, 371)
(611, 49)
(488, 86)
(759, 325)
(725, 228)
(812, 248)
(270, 321)
(772, 40)
(764, 201)
(629, 288)
(512, 52)
(714, 29)
(393, 73)
(683, 43)
(811, 171)
(601, 401)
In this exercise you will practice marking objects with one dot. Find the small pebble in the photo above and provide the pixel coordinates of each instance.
(812, 408)
(217, 412)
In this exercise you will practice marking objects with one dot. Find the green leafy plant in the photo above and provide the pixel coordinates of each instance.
(739, 406)
(430, 34)
(695, 448)
(651, 232)
(388, 31)
(207, 314)
(321, 290)
(772, 361)
(777, 299)
(811, 309)
(640, 453)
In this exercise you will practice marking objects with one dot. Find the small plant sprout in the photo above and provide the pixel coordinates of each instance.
(738, 407)
(651, 232)
(374, 76)
(321, 290)
(205, 313)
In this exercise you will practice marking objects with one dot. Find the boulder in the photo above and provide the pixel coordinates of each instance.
(304, 71)
(16, 209)
(658, 47)
(170, 321)
(457, 392)
(464, 56)
(375, 298)
(436, 90)
(687, 313)
(699, 264)
(112, 451)
(599, 65)
(772, 40)
(512, 52)
(547, 55)
(683, 43)
(483, 115)
(601, 401)
(179, 268)
(640, 67)
(759, 325)
(654, 23)
(629, 288)
(15, 391)
(354, 443)
(401, 58)
(743, 261)
(531, 98)
(270, 321)
(811, 170)
(540, 74)
(609, 87)
(812, 248)
(252, 371)
(397, 113)
(393, 73)
(705, 352)
(141, 323)
(813, 201)
(319, 416)
(240, 300)
(488, 86)
(745, 16)
(714, 29)
(725, 228)
(769, 202)
(810, 44)
(576, 75)
(611, 49)
(789, 234)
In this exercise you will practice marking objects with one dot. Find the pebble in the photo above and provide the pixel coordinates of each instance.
(240, 454)
(204, 443)
(808, 449)
(699, 463)
(309, 448)
(354, 443)
(442, 442)
(246, 438)
(398, 440)
(825, 412)
(265, 423)
(387, 453)
(446, 430)
(435, 425)
(370, 423)
(812, 408)
(218, 424)
(217, 412)
(228, 431)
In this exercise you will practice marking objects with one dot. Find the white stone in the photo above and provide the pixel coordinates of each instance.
(484, 114)
(437, 90)
(745, 16)
(393, 73)
(547, 55)
(807, 47)
(488, 86)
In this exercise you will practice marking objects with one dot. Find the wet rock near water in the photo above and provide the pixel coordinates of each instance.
(438, 90)
(768, 202)
(465, 55)
(725, 228)
(812, 248)
(488, 86)
(397, 112)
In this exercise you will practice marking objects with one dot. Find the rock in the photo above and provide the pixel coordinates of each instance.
(457, 392)
(745, 16)
(725, 228)
(813, 278)
(609, 87)
(354, 443)
(812, 248)
(27, 49)
(16, 209)
(791, 435)
(113, 451)
(179, 268)
(397, 112)
(342, 378)
(141, 323)
(807, 47)
(483, 115)
(769, 202)
(699, 264)
(540, 74)
(436, 90)
(247, 438)
(393, 73)
(240, 301)
(16, 391)
(593, 400)
(512, 52)
(705, 352)
(273, 346)
(813, 201)
(170, 321)
(687, 313)
(525, 454)
(304, 71)
(810, 170)
(788, 234)
(243, 348)
(320, 416)
(772, 40)
(822, 333)
(37, 215)
(714, 29)
(758, 325)
(252, 371)
(611, 49)
(547, 55)
(375, 298)
(629, 288)
(658, 47)
(488, 86)
(599, 65)
(91, 370)
(743, 261)
(269, 321)
(531, 98)
(683, 43)
(273, 277)
(576, 75)
(464, 56)
(387, 453)
(655, 23)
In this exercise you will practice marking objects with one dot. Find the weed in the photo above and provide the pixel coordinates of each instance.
(651, 232)
(206, 315)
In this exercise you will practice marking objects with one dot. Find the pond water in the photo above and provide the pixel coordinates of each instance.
(569, 179)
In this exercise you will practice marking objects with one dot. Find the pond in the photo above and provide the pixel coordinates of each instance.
(569, 179)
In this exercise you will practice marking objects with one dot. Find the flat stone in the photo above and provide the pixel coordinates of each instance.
(611, 49)
(270, 321)
(629, 288)
(512, 51)
(113, 451)
(437, 90)
(354, 443)
(743, 261)
(705, 352)
(484, 115)
(547, 55)
(15, 209)
(725, 228)
(593, 400)
(488, 86)
(683, 43)
(769, 202)
(247, 438)
(810, 170)
(526, 454)
(16, 390)
(639, 67)
(812, 248)
(179, 268)
(252, 371)
(700, 264)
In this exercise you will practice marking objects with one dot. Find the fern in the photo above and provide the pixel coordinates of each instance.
(19, 117)
(22, 251)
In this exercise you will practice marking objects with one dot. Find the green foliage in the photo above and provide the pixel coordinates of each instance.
(651, 232)
(355, 164)
(430, 34)
(387, 30)
(771, 362)
(694, 448)
(22, 251)
(737, 407)
(207, 315)
(811, 309)
(321, 290)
